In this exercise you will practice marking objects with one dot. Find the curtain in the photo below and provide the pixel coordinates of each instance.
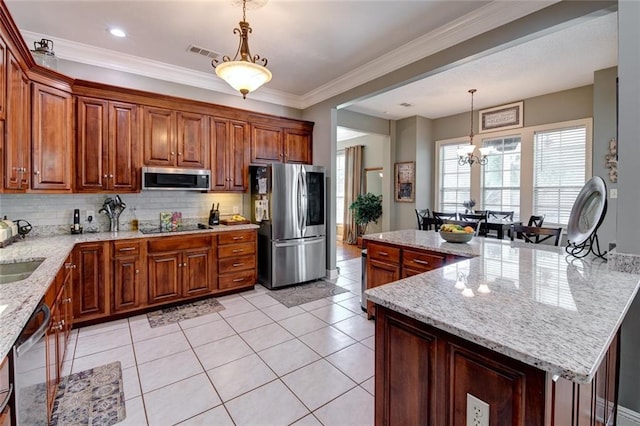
(352, 188)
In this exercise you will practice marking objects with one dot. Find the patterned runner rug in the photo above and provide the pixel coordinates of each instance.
(305, 293)
(182, 312)
(90, 397)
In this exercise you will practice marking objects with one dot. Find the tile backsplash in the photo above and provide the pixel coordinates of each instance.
(53, 213)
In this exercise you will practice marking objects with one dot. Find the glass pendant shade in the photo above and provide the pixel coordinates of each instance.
(485, 151)
(244, 76)
(466, 150)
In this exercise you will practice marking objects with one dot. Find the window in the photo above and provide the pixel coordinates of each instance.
(558, 172)
(340, 187)
(455, 180)
(501, 175)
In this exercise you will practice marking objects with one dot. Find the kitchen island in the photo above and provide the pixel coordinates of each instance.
(526, 329)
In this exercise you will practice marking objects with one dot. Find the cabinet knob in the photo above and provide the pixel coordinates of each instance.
(67, 300)
(179, 154)
(36, 172)
(105, 176)
(69, 266)
(173, 153)
(110, 176)
(137, 271)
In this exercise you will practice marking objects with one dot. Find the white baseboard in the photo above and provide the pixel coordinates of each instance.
(332, 274)
(627, 417)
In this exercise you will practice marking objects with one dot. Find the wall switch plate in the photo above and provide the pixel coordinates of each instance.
(90, 213)
(613, 193)
(477, 411)
(236, 209)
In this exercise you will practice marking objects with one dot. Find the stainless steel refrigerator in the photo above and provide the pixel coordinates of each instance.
(288, 202)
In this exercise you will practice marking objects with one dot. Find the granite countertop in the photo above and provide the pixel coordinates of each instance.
(18, 300)
(532, 303)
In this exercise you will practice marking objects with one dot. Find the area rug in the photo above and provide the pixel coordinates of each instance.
(91, 397)
(305, 293)
(182, 312)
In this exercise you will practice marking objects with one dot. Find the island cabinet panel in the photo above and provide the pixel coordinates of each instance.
(52, 140)
(17, 170)
(129, 278)
(107, 153)
(90, 281)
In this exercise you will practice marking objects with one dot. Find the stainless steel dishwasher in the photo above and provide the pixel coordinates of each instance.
(30, 370)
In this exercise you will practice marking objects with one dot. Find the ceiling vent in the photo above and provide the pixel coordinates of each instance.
(406, 105)
(202, 51)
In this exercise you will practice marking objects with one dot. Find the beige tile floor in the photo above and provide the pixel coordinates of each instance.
(255, 363)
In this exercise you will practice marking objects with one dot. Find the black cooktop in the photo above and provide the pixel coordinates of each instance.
(179, 229)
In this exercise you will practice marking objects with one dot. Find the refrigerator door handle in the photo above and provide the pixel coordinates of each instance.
(298, 242)
(305, 200)
(300, 207)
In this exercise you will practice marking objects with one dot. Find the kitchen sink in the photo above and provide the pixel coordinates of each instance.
(12, 272)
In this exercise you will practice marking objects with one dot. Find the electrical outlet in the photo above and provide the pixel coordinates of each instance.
(613, 193)
(91, 213)
(477, 411)
(236, 209)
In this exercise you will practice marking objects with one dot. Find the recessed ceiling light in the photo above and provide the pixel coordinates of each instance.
(117, 32)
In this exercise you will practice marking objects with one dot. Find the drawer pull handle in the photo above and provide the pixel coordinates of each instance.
(421, 262)
(237, 280)
(238, 238)
(127, 249)
(235, 265)
(383, 253)
(237, 251)
(67, 300)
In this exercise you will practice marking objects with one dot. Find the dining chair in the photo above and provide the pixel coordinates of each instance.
(439, 217)
(500, 215)
(475, 224)
(480, 218)
(535, 220)
(541, 234)
(422, 214)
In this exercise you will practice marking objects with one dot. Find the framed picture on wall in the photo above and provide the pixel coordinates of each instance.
(501, 118)
(405, 181)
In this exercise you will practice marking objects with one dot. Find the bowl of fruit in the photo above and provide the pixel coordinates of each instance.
(456, 233)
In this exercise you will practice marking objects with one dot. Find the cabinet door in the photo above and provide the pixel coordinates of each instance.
(219, 154)
(163, 272)
(197, 272)
(3, 78)
(297, 146)
(126, 283)
(90, 298)
(238, 151)
(51, 141)
(192, 141)
(18, 130)
(266, 144)
(379, 273)
(123, 147)
(92, 146)
(159, 137)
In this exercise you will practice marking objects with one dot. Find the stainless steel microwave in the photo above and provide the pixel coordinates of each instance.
(168, 178)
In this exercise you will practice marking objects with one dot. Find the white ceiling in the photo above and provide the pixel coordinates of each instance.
(320, 48)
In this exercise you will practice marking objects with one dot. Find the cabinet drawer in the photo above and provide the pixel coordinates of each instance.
(232, 250)
(421, 261)
(239, 279)
(178, 243)
(126, 248)
(239, 263)
(384, 253)
(234, 237)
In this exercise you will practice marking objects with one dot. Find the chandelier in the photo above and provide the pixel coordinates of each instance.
(244, 72)
(466, 155)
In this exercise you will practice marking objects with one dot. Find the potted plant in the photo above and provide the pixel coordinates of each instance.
(366, 208)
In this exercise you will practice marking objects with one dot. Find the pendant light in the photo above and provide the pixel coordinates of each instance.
(466, 155)
(43, 54)
(244, 72)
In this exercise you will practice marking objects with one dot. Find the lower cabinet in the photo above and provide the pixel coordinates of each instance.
(181, 267)
(91, 281)
(427, 376)
(6, 392)
(129, 275)
(58, 298)
(237, 259)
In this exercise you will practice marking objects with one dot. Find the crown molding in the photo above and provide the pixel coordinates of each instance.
(488, 17)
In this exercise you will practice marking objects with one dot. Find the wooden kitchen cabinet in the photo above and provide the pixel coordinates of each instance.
(90, 282)
(52, 141)
(129, 275)
(175, 138)
(17, 128)
(3, 78)
(229, 155)
(6, 393)
(180, 267)
(107, 146)
(237, 262)
(270, 143)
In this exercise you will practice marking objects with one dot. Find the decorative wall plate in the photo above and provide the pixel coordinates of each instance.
(588, 211)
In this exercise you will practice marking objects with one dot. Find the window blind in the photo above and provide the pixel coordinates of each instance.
(501, 175)
(455, 180)
(559, 172)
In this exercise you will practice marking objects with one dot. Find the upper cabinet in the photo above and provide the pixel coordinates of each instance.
(52, 139)
(17, 142)
(174, 139)
(107, 153)
(274, 142)
(229, 155)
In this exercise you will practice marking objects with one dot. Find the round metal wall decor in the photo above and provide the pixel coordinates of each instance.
(586, 217)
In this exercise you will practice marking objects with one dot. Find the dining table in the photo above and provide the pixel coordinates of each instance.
(498, 225)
